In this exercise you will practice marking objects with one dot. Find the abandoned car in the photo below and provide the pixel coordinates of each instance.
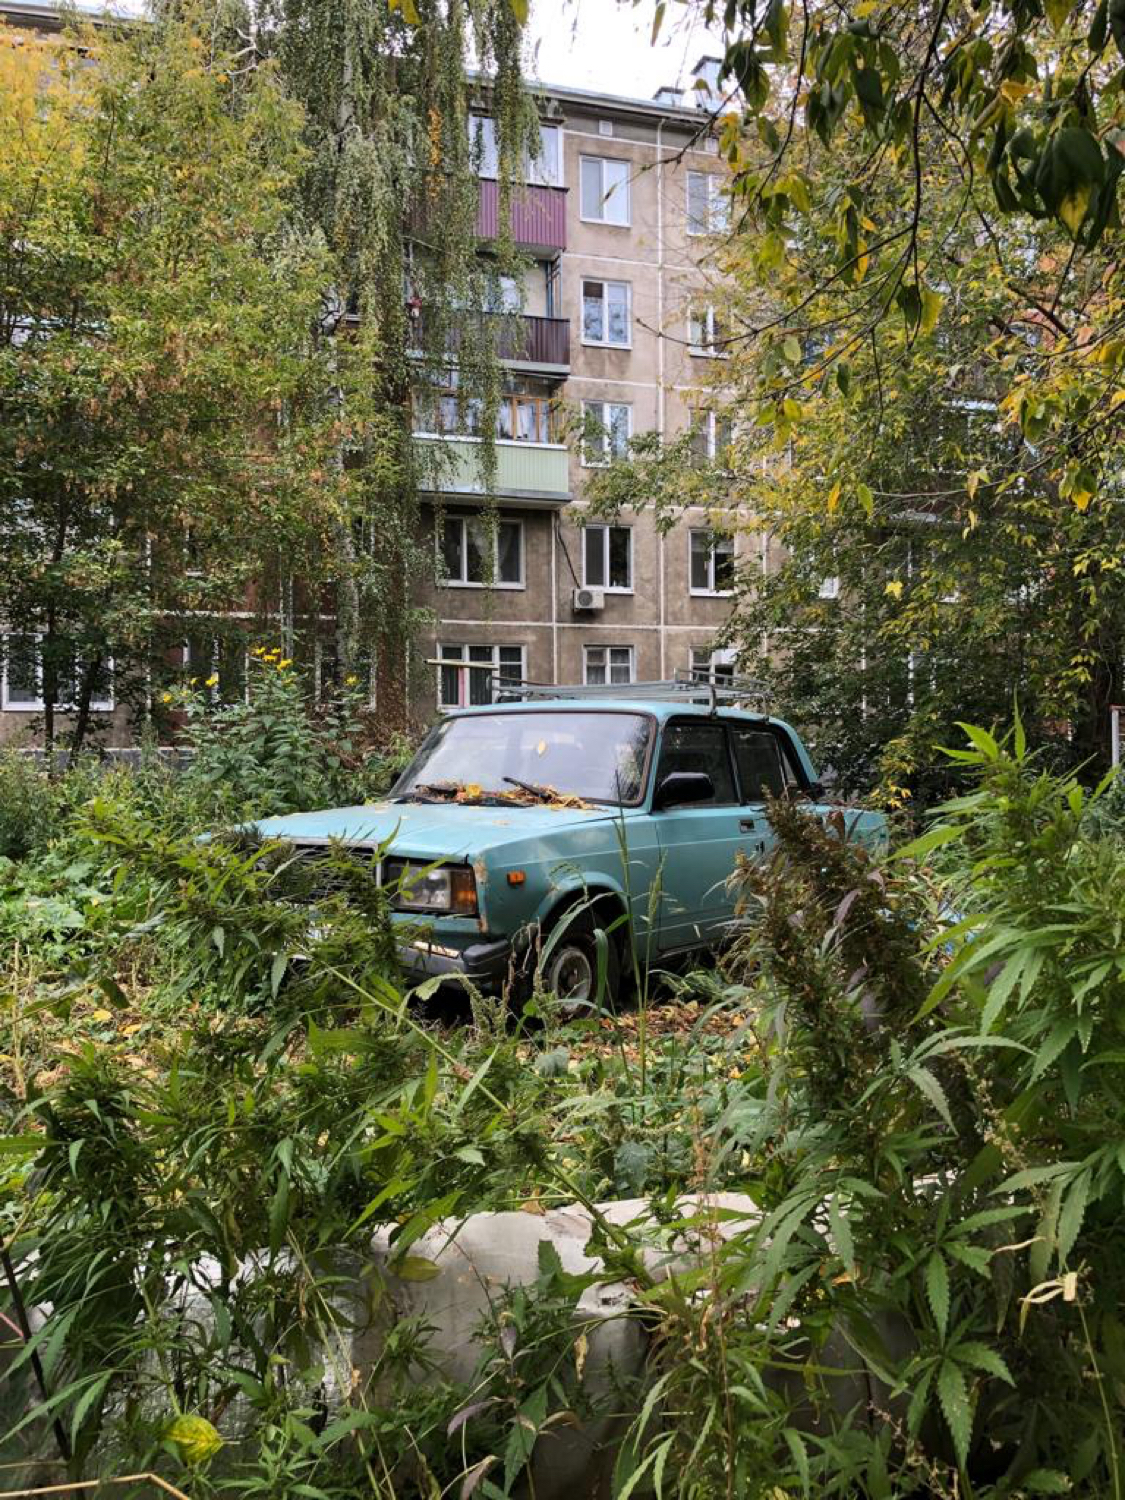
(579, 833)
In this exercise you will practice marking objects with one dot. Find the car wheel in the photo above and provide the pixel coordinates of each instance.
(569, 967)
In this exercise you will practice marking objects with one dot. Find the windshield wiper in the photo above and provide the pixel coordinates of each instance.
(544, 793)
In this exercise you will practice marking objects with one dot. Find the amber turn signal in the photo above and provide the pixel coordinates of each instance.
(462, 891)
(517, 877)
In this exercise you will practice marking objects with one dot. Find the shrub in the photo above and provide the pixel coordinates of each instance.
(28, 806)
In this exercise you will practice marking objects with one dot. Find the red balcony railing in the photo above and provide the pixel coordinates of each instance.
(524, 339)
(538, 215)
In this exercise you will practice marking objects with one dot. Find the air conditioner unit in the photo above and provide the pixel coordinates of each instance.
(588, 599)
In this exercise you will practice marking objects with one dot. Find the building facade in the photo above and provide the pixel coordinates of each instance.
(623, 325)
(617, 330)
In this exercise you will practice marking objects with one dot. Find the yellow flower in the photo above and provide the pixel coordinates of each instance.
(257, 650)
(350, 680)
(166, 697)
(285, 661)
(894, 589)
(213, 680)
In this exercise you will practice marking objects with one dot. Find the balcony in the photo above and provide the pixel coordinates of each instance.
(538, 216)
(527, 341)
(533, 473)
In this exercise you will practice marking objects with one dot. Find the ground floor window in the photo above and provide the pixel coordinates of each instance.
(605, 665)
(485, 669)
(712, 666)
(22, 685)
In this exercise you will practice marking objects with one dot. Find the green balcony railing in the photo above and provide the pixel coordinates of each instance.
(536, 472)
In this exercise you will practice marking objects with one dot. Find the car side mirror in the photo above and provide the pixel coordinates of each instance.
(682, 787)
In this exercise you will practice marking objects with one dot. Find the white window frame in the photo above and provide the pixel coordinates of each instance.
(605, 436)
(707, 314)
(717, 660)
(605, 528)
(214, 666)
(37, 705)
(533, 168)
(712, 592)
(606, 343)
(607, 665)
(464, 676)
(829, 587)
(718, 208)
(707, 422)
(468, 583)
(604, 197)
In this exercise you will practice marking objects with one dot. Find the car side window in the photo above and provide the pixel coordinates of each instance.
(699, 747)
(762, 771)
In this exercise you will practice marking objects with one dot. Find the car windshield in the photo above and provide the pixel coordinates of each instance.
(598, 757)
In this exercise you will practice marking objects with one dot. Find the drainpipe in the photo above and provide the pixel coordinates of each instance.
(1115, 734)
(555, 597)
(660, 367)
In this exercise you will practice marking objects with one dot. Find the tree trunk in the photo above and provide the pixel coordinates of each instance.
(85, 694)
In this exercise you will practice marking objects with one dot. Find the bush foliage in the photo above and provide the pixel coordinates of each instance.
(911, 1066)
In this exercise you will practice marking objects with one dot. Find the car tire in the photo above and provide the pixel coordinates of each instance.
(566, 960)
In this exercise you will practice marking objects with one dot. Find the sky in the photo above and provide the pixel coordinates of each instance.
(602, 45)
(606, 46)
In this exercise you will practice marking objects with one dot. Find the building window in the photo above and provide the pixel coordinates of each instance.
(23, 678)
(708, 209)
(711, 436)
(608, 665)
(605, 127)
(607, 428)
(218, 666)
(712, 562)
(607, 558)
(525, 414)
(544, 169)
(605, 190)
(830, 587)
(486, 669)
(605, 313)
(707, 332)
(712, 666)
(466, 544)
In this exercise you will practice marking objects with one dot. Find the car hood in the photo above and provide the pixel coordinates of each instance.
(430, 830)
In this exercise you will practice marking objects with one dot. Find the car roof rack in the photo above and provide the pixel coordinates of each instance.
(688, 685)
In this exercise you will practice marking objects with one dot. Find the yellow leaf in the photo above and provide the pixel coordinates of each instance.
(894, 588)
(931, 309)
(581, 1349)
(196, 1438)
(833, 498)
(1012, 91)
(1072, 210)
(101, 1015)
(1081, 497)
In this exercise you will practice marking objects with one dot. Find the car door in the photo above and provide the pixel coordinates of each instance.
(767, 766)
(699, 843)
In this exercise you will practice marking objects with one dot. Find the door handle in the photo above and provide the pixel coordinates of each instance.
(746, 825)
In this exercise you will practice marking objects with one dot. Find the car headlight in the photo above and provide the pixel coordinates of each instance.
(422, 887)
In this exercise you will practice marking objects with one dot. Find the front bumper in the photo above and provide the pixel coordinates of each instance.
(484, 965)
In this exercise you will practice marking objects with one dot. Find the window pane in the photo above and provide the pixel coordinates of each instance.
(483, 129)
(526, 424)
(719, 207)
(697, 328)
(700, 560)
(475, 541)
(699, 747)
(619, 557)
(451, 547)
(23, 670)
(591, 182)
(724, 563)
(620, 664)
(593, 311)
(617, 296)
(504, 419)
(508, 550)
(545, 169)
(615, 176)
(595, 665)
(450, 676)
(510, 663)
(697, 202)
(595, 557)
(723, 435)
(759, 764)
(619, 431)
(480, 683)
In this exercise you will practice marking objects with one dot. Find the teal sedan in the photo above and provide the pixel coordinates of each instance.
(521, 831)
